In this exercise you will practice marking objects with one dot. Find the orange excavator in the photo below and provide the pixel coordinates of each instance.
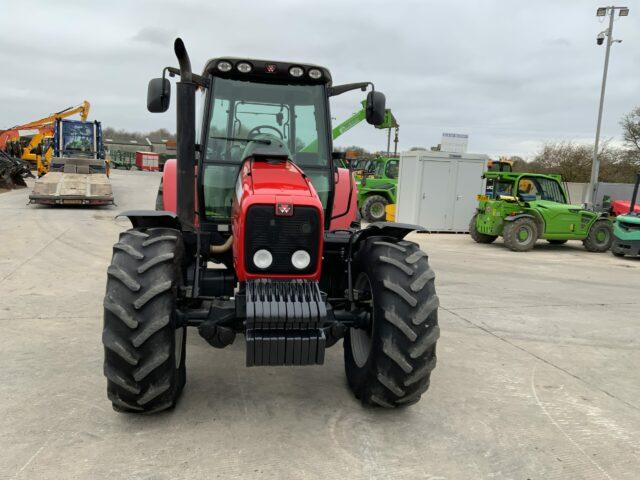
(32, 141)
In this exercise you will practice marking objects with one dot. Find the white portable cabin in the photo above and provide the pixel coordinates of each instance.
(437, 190)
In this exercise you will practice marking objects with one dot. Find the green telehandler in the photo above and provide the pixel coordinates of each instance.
(524, 207)
(378, 189)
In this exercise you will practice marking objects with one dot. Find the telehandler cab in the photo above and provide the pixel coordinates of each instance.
(293, 271)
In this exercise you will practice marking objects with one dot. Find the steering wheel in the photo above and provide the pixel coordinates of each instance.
(256, 131)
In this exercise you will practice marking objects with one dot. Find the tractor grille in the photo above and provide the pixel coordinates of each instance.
(281, 236)
(630, 226)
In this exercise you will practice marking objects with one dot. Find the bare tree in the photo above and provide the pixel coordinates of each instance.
(631, 129)
(573, 162)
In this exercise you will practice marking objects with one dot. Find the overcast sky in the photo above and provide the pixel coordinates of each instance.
(510, 73)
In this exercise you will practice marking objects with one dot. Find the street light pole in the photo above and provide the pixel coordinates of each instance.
(595, 164)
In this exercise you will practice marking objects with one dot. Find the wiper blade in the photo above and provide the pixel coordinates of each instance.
(236, 139)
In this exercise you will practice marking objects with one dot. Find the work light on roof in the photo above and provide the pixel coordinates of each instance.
(601, 12)
(624, 12)
(315, 73)
(296, 71)
(224, 66)
(244, 67)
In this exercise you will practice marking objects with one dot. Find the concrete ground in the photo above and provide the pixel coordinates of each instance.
(537, 375)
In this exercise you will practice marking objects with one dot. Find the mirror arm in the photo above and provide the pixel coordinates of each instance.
(340, 89)
(197, 79)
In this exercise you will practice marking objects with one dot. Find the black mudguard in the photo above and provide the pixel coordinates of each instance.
(152, 218)
(387, 229)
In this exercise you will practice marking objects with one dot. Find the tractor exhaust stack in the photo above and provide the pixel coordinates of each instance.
(186, 134)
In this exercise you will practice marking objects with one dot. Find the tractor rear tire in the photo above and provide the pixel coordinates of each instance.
(557, 242)
(372, 207)
(144, 347)
(476, 235)
(520, 235)
(600, 236)
(390, 363)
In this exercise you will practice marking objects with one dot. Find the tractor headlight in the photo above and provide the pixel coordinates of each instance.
(224, 66)
(262, 259)
(296, 71)
(243, 67)
(315, 73)
(300, 259)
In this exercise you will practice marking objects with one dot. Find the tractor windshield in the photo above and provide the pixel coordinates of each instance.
(243, 111)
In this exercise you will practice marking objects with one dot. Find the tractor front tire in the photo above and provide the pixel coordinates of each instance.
(476, 235)
(144, 347)
(373, 208)
(600, 236)
(557, 242)
(617, 253)
(389, 363)
(520, 235)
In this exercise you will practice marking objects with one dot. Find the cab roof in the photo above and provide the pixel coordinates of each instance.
(513, 176)
(268, 71)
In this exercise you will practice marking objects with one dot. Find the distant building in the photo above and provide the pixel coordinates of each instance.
(132, 146)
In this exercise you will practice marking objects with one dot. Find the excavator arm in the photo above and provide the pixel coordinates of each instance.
(41, 129)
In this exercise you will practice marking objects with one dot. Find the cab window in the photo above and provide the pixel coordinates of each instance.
(392, 169)
(242, 112)
(532, 188)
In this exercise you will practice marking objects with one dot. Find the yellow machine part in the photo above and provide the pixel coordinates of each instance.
(390, 212)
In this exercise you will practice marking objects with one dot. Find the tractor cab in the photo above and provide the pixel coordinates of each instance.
(256, 233)
(254, 108)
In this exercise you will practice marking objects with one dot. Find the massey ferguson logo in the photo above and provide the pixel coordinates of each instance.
(270, 68)
(284, 209)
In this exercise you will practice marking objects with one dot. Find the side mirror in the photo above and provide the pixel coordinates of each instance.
(158, 95)
(375, 107)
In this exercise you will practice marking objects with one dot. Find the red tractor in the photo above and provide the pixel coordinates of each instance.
(259, 235)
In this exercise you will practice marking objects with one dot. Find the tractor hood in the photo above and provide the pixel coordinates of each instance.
(279, 177)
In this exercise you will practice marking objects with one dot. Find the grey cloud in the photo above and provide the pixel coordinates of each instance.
(510, 74)
(154, 35)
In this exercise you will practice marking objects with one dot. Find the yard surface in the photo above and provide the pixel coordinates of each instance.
(538, 372)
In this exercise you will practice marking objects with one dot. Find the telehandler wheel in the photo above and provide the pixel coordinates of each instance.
(389, 363)
(520, 235)
(373, 208)
(476, 235)
(600, 236)
(557, 242)
(144, 347)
